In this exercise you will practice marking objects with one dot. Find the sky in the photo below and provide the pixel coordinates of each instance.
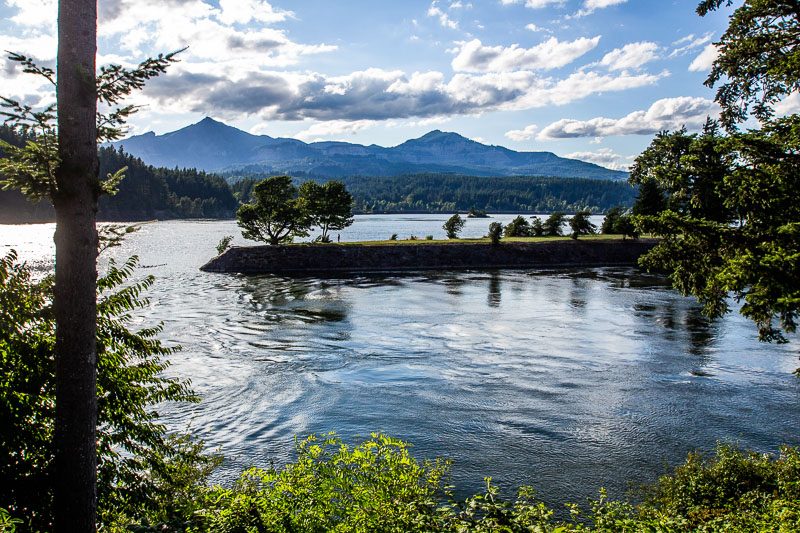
(586, 79)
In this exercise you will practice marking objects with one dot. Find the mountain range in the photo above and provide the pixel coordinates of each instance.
(213, 146)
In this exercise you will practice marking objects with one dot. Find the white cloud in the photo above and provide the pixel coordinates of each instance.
(705, 60)
(604, 157)
(632, 55)
(473, 56)
(243, 11)
(524, 134)
(590, 6)
(418, 83)
(534, 28)
(534, 4)
(38, 13)
(444, 18)
(690, 42)
(789, 105)
(667, 113)
(333, 128)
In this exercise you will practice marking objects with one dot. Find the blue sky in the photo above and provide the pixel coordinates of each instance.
(588, 79)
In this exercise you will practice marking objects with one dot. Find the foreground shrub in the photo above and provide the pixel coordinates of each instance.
(374, 486)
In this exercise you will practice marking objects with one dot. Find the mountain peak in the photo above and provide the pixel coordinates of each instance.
(437, 136)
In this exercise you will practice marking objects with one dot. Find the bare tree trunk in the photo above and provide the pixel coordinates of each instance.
(75, 490)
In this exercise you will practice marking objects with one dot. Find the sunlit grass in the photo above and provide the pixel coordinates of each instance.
(481, 240)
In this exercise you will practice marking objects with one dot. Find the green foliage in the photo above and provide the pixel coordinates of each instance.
(682, 172)
(580, 225)
(277, 216)
(611, 218)
(393, 237)
(519, 227)
(537, 228)
(733, 491)
(374, 486)
(131, 444)
(758, 58)
(377, 485)
(428, 237)
(756, 260)
(327, 206)
(224, 244)
(552, 227)
(8, 524)
(495, 232)
(453, 226)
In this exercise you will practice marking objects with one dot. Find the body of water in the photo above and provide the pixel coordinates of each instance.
(566, 380)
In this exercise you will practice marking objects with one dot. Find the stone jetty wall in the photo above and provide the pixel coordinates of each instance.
(320, 258)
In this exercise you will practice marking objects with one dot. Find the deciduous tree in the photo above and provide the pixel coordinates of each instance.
(328, 207)
(453, 226)
(277, 216)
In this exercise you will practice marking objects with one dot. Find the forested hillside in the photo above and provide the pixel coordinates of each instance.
(145, 193)
(444, 192)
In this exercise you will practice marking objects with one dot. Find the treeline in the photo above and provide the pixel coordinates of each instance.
(448, 193)
(146, 192)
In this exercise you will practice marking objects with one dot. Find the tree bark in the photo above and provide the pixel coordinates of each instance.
(75, 300)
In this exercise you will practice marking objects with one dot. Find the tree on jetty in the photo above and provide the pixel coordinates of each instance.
(277, 216)
(580, 224)
(552, 226)
(453, 226)
(329, 206)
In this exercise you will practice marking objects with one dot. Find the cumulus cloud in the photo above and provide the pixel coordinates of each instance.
(632, 55)
(373, 94)
(667, 113)
(604, 157)
(523, 134)
(705, 60)
(590, 6)
(473, 56)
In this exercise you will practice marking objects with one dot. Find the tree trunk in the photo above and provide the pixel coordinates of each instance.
(75, 301)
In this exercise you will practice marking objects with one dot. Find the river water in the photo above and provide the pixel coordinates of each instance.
(566, 380)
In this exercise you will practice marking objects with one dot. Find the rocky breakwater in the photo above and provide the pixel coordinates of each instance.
(299, 258)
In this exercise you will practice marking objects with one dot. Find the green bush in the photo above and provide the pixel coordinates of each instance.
(495, 232)
(377, 486)
(374, 486)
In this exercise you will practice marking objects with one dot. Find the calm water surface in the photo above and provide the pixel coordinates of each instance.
(563, 380)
